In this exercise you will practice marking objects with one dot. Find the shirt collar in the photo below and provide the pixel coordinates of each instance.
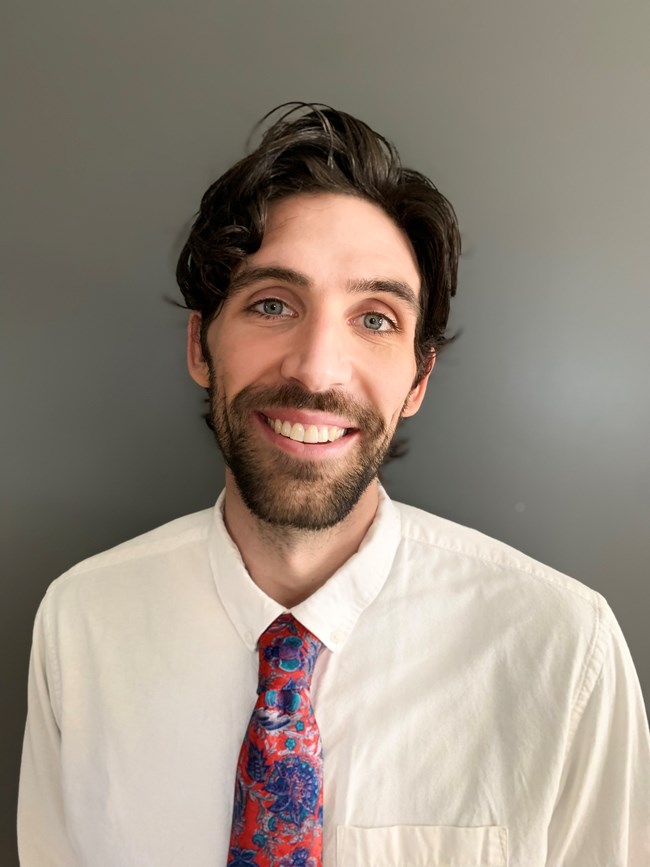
(333, 610)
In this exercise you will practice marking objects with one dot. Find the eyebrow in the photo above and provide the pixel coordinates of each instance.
(388, 286)
(381, 285)
(254, 275)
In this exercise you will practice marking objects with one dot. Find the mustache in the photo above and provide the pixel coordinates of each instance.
(294, 396)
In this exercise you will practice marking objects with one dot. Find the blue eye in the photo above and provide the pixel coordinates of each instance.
(374, 321)
(272, 307)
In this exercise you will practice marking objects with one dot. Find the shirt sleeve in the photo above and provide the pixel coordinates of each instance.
(602, 813)
(42, 835)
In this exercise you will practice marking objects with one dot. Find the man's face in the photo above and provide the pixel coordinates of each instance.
(312, 358)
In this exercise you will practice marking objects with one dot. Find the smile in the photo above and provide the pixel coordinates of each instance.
(310, 433)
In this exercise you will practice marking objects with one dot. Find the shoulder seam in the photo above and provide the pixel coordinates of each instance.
(515, 567)
(113, 557)
(593, 664)
(51, 654)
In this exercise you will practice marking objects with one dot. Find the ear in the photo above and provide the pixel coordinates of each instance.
(196, 362)
(415, 398)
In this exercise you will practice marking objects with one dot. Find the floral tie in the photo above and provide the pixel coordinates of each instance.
(278, 810)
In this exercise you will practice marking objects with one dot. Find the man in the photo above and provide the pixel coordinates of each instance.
(473, 706)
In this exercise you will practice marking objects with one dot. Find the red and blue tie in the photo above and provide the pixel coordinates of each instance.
(278, 808)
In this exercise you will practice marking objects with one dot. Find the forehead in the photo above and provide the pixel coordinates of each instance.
(336, 237)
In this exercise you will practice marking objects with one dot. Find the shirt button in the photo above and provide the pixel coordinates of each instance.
(336, 637)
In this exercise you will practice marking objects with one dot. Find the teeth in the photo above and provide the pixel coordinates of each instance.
(297, 432)
(309, 434)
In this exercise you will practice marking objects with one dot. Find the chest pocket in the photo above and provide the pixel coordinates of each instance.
(422, 846)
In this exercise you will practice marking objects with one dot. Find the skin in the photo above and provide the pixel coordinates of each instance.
(323, 336)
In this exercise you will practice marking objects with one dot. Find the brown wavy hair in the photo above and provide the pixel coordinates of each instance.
(315, 148)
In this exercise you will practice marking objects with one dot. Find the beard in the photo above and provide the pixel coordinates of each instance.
(281, 489)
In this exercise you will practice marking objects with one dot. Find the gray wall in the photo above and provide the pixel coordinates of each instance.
(532, 117)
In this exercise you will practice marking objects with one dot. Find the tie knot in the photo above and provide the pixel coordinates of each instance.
(288, 653)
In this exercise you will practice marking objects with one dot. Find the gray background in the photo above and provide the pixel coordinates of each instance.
(532, 117)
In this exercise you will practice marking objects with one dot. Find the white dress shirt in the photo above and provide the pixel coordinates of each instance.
(477, 709)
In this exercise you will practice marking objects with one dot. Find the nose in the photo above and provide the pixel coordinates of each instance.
(317, 355)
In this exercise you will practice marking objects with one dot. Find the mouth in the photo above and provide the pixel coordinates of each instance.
(307, 433)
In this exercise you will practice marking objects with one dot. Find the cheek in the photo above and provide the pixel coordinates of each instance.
(240, 363)
(390, 397)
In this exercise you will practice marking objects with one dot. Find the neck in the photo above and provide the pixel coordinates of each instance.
(290, 564)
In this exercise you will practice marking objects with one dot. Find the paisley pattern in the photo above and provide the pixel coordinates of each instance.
(278, 806)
